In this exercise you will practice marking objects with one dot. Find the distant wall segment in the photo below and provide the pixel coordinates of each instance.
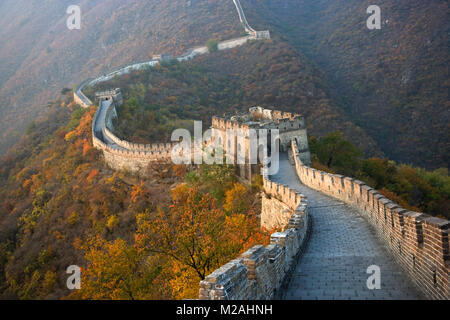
(120, 154)
(81, 99)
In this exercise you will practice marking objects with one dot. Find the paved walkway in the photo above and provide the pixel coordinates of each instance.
(341, 248)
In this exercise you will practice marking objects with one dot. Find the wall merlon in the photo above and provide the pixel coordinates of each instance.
(391, 206)
(278, 238)
(274, 251)
(399, 210)
(439, 223)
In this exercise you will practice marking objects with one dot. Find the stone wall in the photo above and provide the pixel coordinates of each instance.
(272, 221)
(123, 155)
(79, 97)
(233, 43)
(259, 273)
(85, 102)
(146, 148)
(419, 242)
(279, 203)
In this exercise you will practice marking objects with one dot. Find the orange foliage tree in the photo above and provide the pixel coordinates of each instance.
(190, 232)
(117, 271)
(197, 235)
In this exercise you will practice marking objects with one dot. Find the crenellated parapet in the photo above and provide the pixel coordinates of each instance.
(260, 272)
(120, 154)
(114, 94)
(288, 196)
(419, 242)
(286, 126)
(259, 118)
(225, 124)
(273, 115)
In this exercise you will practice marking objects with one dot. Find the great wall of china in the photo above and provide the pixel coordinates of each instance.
(418, 243)
(120, 154)
(260, 272)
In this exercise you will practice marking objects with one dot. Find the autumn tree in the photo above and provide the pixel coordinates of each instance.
(214, 179)
(212, 45)
(117, 271)
(335, 151)
(238, 199)
(381, 171)
(190, 232)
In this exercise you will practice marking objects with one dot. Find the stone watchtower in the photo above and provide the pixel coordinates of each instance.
(290, 127)
(115, 95)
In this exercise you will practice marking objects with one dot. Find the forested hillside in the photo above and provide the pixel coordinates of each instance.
(392, 82)
(413, 188)
(266, 73)
(60, 205)
(39, 55)
(161, 99)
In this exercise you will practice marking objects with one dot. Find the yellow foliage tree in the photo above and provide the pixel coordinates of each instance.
(237, 199)
(117, 271)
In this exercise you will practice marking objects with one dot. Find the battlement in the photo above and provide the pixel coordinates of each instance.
(288, 126)
(149, 149)
(114, 94)
(107, 93)
(259, 118)
(223, 124)
(419, 243)
(272, 114)
(290, 197)
(259, 273)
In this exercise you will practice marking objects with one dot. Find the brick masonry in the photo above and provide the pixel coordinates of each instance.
(418, 242)
(341, 248)
(259, 273)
